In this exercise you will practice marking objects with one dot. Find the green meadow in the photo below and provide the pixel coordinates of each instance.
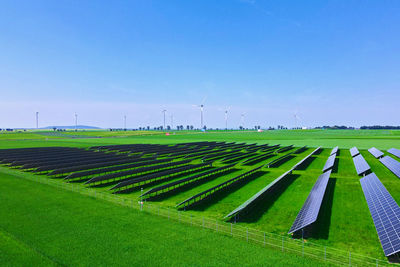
(48, 226)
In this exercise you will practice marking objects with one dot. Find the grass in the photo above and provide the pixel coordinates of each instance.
(364, 139)
(345, 221)
(50, 226)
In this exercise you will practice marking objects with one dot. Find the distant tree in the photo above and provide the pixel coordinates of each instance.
(191, 127)
(168, 127)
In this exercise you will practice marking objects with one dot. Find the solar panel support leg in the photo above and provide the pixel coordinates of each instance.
(349, 258)
(264, 239)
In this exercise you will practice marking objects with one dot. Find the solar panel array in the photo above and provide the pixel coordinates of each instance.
(271, 185)
(395, 152)
(375, 152)
(334, 150)
(354, 152)
(385, 213)
(392, 164)
(310, 210)
(361, 165)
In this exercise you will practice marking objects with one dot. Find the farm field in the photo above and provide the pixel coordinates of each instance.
(344, 223)
(364, 139)
(90, 232)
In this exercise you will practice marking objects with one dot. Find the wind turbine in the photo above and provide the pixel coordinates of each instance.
(172, 121)
(37, 119)
(163, 111)
(124, 122)
(76, 121)
(296, 118)
(201, 106)
(226, 110)
(242, 119)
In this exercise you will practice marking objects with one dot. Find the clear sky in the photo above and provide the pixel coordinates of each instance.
(333, 62)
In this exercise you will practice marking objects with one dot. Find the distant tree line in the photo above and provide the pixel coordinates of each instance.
(336, 127)
(379, 127)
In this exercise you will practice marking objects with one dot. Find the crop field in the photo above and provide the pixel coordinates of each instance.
(209, 175)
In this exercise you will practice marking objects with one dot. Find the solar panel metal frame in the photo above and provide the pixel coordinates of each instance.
(385, 213)
(308, 214)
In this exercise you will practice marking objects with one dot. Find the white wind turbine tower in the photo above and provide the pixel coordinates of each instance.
(226, 110)
(76, 121)
(242, 119)
(164, 111)
(296, 118)
(201, 106)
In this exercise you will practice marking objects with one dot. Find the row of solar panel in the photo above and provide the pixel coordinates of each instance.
(309, 212)
(385, 213)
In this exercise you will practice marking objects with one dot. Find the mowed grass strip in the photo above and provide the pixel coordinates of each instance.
(50, 226)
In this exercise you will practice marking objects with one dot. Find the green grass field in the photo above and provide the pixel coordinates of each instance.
(345, 222)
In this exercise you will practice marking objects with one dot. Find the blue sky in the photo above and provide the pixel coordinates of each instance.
(333, 62)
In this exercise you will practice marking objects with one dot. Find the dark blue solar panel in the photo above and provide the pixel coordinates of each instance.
(392, 164)
(361, 165)
(354, 151)
(309, 212)
(375, 152)
(334, 150)
(395, 152)
(329, 163)
(385, 213)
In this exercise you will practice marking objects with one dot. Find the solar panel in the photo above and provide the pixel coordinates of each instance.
(375, 152)
(392, 164)
(395, 152)
(334, 150)
(361, 165)
(385, 213)
(310, 210)
(329, 163)
(354, 151)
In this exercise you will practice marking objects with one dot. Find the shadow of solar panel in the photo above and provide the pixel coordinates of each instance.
(392, 164)
(361, 165)
(385, 213)
(329, 163)
(354, 151)
(395, 152)
(375, 152)
(309, 212)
